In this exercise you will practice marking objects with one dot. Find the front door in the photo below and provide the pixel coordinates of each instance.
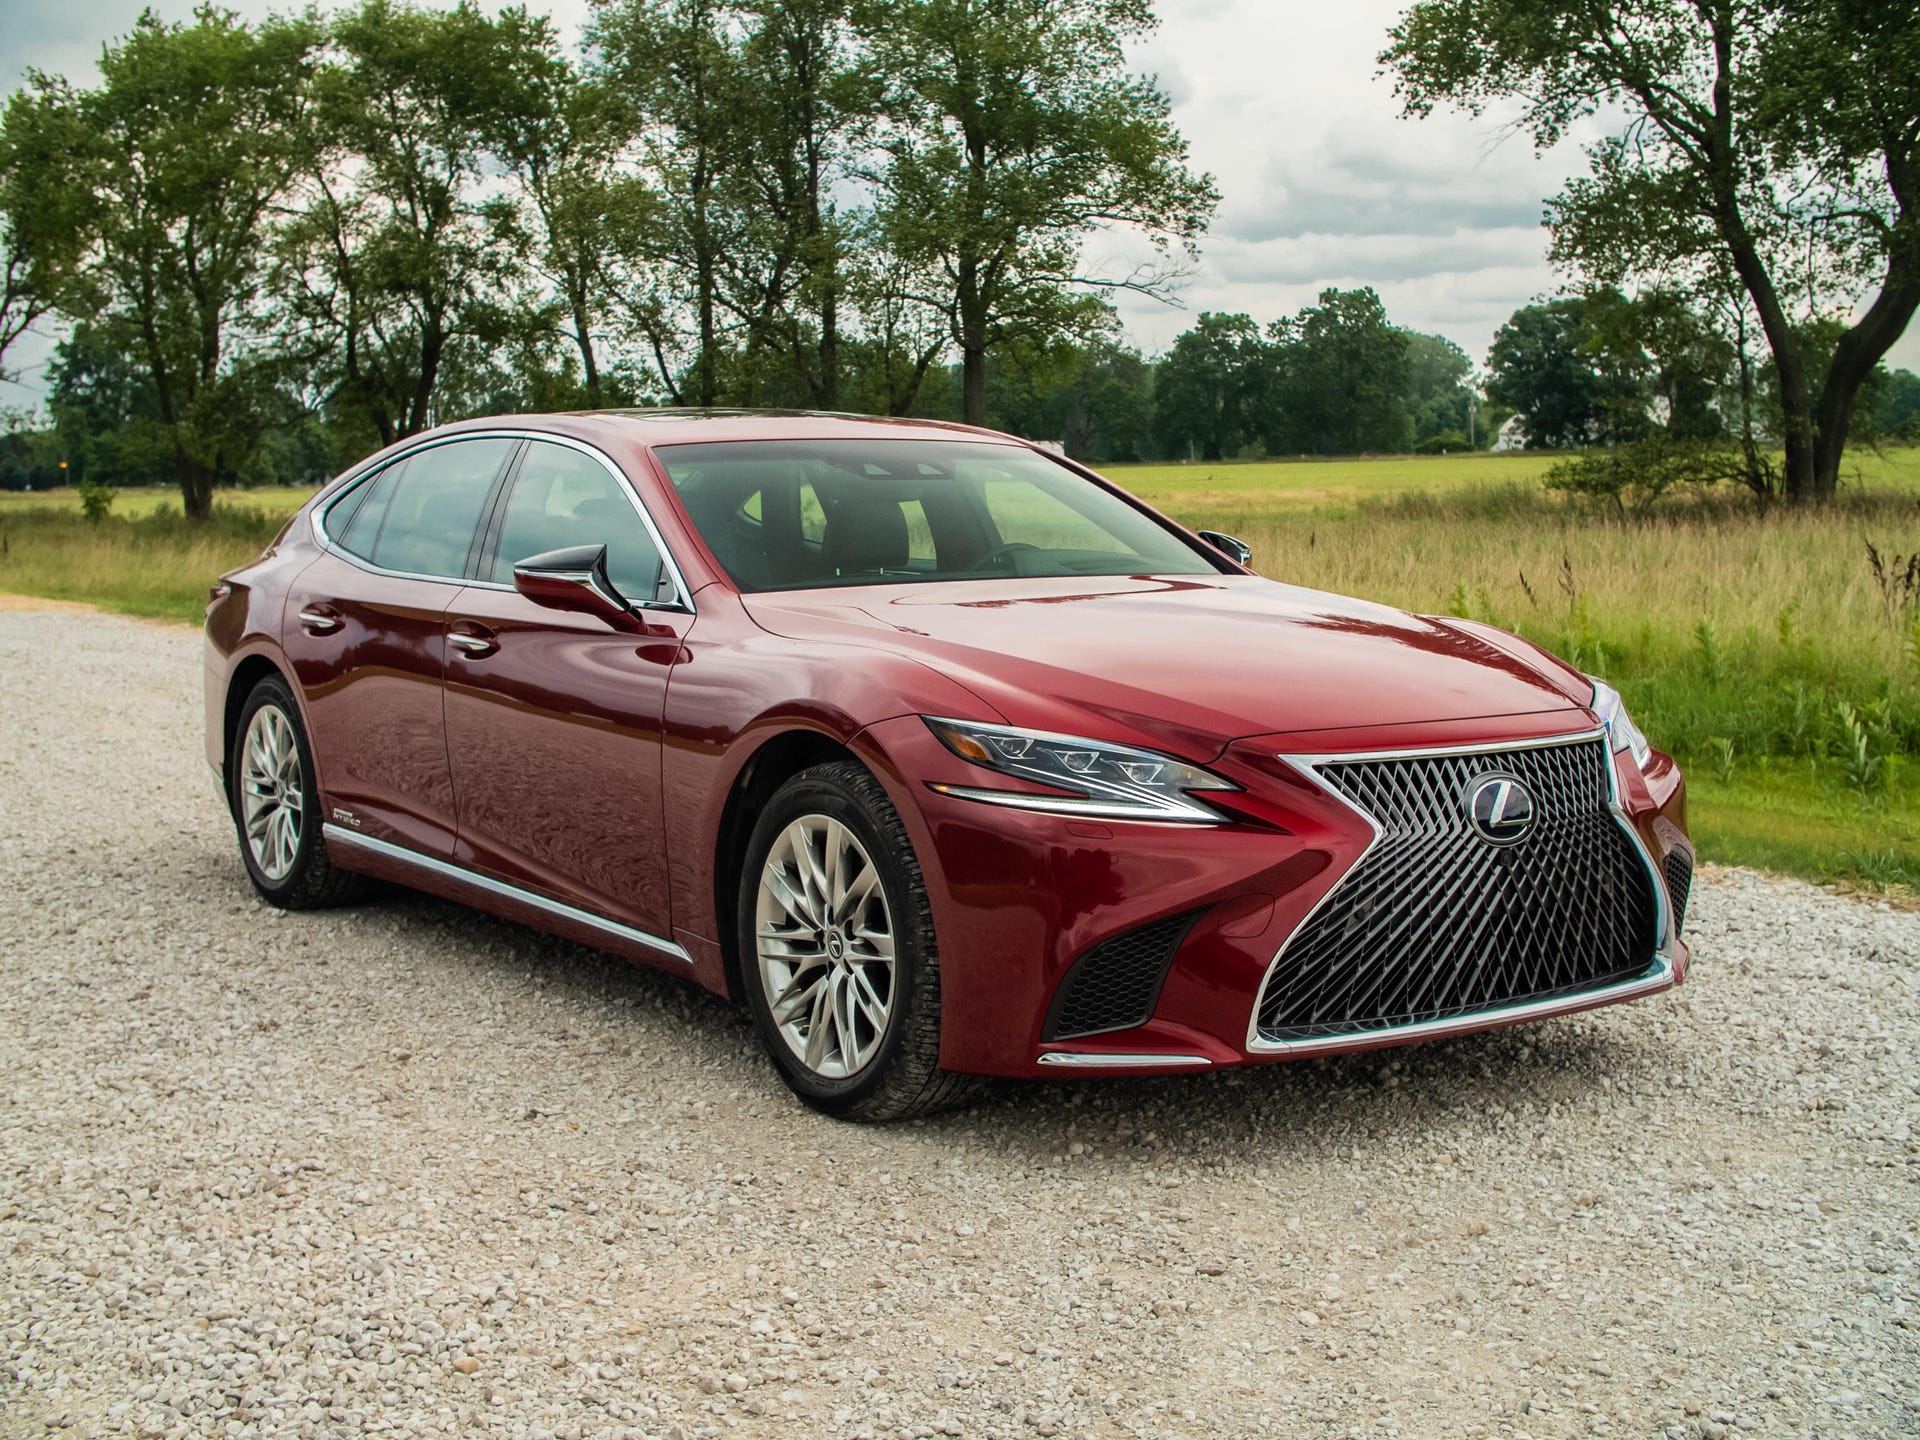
(365, 628)
(554, 719)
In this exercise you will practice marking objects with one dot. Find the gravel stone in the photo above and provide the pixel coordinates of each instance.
(406, 1170)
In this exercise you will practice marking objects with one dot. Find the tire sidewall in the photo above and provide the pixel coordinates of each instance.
(814, 793)
(273, 692)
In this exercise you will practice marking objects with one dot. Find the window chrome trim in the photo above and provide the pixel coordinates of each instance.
(1111, 1060)
(446, 869)
(1658, 975)
(682, 602)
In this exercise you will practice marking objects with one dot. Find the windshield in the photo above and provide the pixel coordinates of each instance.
(798, 514)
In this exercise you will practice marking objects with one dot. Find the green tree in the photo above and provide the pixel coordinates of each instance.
(1548, 364)
(1780, 138)
(566, 140)
(396, 259)
(1341, 378)
(1012, 132)
(182, 151)
(1898, 410)
(1439, 395)
(679, 65)
(106, 413)
(810, 102)
(1209, 389)
(43, 206)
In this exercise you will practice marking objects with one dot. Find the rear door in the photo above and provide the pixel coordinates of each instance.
(365, 628)
(554, 719)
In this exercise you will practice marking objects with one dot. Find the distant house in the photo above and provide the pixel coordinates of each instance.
(1512, 436)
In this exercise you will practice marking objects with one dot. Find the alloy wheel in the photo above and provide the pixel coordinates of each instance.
(272, 798)
(825, 943)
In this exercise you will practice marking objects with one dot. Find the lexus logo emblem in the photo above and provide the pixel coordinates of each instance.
(1500, 807)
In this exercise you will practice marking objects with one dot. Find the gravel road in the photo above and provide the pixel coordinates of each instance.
(407, 1169)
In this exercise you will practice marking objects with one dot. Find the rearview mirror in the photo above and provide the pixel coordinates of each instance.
(574, 579)
(1237, 551)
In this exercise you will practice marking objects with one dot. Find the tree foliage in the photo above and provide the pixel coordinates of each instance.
(1008, 134)
(1775, 140)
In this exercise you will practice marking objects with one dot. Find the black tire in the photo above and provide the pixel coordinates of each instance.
(312, 882)
(903, 1077)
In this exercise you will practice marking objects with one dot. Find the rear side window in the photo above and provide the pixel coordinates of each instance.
(419, 516)
(356, 518)
(563, 498)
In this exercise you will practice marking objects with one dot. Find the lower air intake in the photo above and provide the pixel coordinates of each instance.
(1115, 985)
(1433, 922)
(1679, 884)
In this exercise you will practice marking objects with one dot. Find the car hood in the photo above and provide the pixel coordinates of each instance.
(1186, 663)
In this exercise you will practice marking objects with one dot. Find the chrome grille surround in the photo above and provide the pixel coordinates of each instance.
(1558, 774)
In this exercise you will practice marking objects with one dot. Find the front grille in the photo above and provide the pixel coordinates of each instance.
(1679, 883)
(1115, 984)
(1434, 922)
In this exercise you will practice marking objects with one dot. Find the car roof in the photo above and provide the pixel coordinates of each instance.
(688, 426)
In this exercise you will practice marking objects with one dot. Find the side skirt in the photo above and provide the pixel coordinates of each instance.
(456, 882)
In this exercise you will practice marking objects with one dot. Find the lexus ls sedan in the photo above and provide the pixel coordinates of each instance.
(946, 754)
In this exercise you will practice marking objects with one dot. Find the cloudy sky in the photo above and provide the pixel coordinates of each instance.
(1323, 183)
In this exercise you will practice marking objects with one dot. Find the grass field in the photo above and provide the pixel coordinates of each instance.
(1758, 646)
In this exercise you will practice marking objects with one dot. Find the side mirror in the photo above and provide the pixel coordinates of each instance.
(1237, 551)
(574, 579)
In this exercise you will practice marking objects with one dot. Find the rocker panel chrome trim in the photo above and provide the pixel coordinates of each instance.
(337, 835)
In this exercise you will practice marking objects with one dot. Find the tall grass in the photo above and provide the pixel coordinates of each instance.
(1706, 615)
(156, 563)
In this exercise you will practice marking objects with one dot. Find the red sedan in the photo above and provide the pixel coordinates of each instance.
(950, 757)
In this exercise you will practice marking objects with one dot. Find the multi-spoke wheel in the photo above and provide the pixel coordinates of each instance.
(270, 779)
(836, 946)
(272, 792)
(825, 943)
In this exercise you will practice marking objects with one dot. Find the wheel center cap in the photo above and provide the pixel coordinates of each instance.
(836, 945)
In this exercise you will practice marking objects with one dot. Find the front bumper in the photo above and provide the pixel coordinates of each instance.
(1018, 896)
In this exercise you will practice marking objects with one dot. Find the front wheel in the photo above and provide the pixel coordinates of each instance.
(275, 801)
(837, 950)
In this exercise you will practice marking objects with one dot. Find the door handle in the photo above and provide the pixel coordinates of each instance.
(320, 619)
(476, 642)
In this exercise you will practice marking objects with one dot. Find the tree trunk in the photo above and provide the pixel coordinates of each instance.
(973, 346)
(196, 483)
(1859, 350)
(1796, 404)
(583, 337)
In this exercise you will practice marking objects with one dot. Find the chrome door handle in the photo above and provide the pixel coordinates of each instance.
(474, 645)
(318, 621)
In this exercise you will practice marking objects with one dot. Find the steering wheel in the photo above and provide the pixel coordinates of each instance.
(993, 558)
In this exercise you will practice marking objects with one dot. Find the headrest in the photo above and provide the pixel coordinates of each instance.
(865, 533)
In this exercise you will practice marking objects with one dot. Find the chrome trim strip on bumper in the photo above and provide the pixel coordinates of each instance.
(1658, 977)
(339, 835)
(1096, 1060)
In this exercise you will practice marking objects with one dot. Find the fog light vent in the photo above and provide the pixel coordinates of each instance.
(1679, 883)
(1115, 985)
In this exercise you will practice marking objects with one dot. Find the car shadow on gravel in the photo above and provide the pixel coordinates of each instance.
(1263, 1114)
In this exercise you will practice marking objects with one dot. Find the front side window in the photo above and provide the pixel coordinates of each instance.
(795, 514)
(563, 497)
(419, 516)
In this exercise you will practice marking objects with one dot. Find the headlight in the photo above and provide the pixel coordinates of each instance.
(1111, 781)
(1622, 733)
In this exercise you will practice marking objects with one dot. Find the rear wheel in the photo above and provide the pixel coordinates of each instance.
(275, 806)
(837, 950)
